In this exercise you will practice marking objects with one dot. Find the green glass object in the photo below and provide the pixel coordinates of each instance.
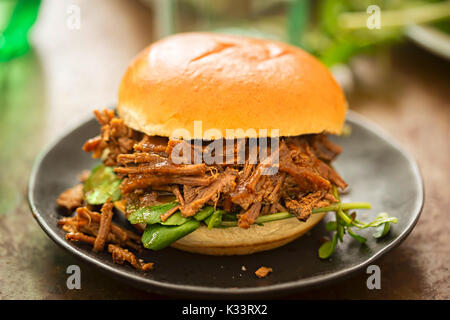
(16, 19)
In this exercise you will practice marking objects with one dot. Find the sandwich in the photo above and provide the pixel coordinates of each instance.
(219, 145)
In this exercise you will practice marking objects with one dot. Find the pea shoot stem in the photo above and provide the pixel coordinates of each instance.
(343, 206)
(285, 215)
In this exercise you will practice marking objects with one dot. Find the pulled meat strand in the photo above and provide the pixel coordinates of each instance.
(104, 117)
(92, 145)
(328, 173)
(224, 183)
(323, 148)
(144, 181)
(164, 169)
(71, 198)
(302, 208)
(275, 195)
(140, 157)
(115, 138)
(115, 229)
(105, 226)
(152, 144)
(306, 178)
(90, 224)
(189, 193)
(178, 195)
(263, 272)
(149, 199)
(78, 236)
(277, 207)
(194, 151)
(120, 255)
(167, 214)
(249, 217)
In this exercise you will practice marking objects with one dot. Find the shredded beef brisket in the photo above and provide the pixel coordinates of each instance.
(249, 217)
(302, 207)
(115, 138)
(105, 227)
(263, 272)
(120, 255)
(71, 198)
(303, 179)
(224, 183)
(97, 229)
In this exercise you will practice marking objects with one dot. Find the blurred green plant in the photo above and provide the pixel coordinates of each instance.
(337, 30)
(16, 20)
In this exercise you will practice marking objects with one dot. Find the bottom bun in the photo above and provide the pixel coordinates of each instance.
(239, 241)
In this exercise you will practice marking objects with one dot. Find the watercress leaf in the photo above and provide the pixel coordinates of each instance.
(380, 219)
(327, 248)
(382, 230)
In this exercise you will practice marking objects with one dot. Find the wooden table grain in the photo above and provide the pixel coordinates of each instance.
(69, 72)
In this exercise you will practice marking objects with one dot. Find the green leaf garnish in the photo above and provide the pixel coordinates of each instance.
(343, 206)
(150, 215)
(261, 219)
(357, 237)
(215, 219)
(327, 248)
(229, 217)
(379, 220)
(175, 219)
(382, 229)
(345, 222)
(157, 236)
(204, 213)
(102, 184)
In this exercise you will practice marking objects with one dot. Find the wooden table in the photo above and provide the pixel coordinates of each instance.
(71, 72)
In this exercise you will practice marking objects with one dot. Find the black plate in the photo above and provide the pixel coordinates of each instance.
(377, 169)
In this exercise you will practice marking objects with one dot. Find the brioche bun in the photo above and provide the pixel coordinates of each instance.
(229, 82)
(239, 241)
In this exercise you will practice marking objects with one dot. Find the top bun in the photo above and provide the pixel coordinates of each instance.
(229, 82)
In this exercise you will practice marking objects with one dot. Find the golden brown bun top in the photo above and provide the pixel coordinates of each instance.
(229, 82)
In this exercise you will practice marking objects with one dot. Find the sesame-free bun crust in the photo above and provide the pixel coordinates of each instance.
(239, 241)
(229, 82)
